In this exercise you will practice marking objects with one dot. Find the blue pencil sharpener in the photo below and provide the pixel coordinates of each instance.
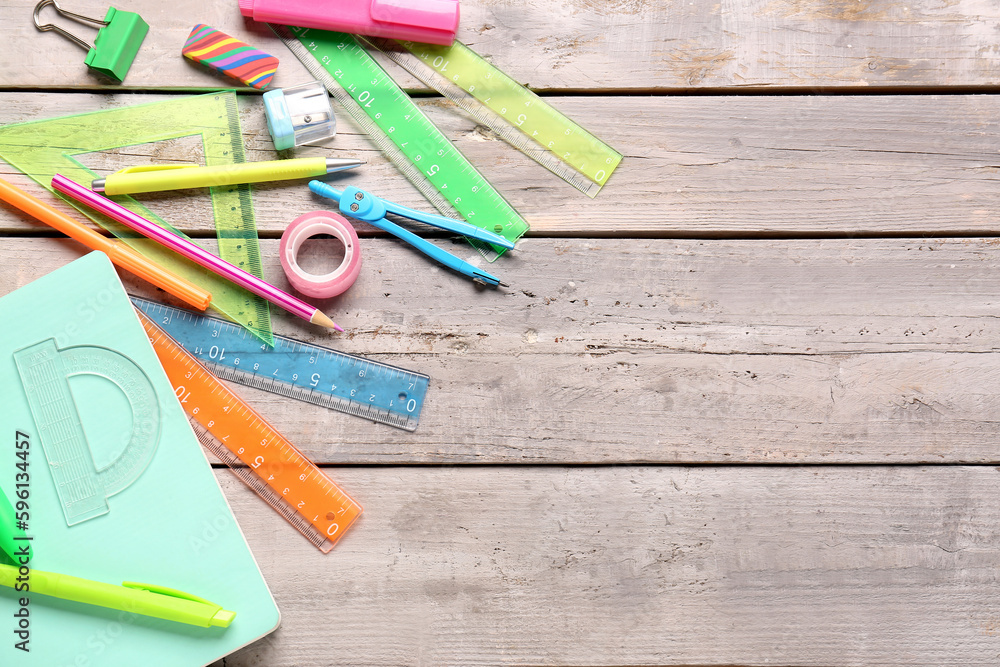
(299, 115)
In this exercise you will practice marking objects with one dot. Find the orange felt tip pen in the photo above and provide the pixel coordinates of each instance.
(119, 253)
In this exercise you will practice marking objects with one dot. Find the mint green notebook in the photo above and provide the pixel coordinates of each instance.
(118, 486)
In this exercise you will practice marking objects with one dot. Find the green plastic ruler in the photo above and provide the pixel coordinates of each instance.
(403, 133)
(514, 113)
(44, 148)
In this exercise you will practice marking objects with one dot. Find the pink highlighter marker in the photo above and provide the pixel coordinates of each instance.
(427, 21)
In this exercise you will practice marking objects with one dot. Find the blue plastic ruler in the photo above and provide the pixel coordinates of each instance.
(311, 373)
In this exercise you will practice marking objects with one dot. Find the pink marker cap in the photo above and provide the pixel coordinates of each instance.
(427, 21)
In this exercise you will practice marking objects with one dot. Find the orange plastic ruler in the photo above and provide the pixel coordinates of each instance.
(253, 449)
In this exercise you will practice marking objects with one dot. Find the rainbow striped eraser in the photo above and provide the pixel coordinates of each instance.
(228, 55)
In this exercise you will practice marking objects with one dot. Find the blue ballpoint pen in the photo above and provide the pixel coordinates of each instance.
(363, 205)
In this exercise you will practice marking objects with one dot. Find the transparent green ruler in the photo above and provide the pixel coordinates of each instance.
(235, 223)
(403, 133)
(43, 148)
(514, 113)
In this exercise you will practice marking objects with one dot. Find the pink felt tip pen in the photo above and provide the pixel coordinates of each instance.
(427, 21)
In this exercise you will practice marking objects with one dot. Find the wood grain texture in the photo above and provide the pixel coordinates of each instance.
(628, 351)
(591, 45)
(638, 566)
(607, 469)
(694, 166)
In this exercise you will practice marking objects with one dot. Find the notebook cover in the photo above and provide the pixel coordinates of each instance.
(131, 499)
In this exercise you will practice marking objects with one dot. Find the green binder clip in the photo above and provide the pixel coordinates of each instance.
(117, 42)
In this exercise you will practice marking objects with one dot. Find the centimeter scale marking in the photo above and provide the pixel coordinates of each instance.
(45, 371)
(344, 382)
(403, 133)
(237, 231)
(514, 113)
(253, 449)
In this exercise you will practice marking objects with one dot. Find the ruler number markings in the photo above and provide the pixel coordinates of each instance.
(322, 376)
(412, 153)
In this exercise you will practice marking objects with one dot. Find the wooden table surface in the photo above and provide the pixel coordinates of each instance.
(740, 409)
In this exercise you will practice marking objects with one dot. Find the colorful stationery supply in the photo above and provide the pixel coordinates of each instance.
(254, 451)
(116, 483)
(236, 59)
(403, 133)
(312, 224)
(130, 597)
(155, 178)
(120, 254)
(14, 542)
(434, 21)
(299, 115)
(42, 148)
(116, 44)
(365, 206)
(344, 382)
(191, 251)
(518, 116)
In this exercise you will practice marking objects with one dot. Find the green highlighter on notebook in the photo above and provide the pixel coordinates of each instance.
(113, 485)
(13, 541)
(155, 601)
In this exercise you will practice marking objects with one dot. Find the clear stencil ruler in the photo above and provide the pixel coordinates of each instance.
(514, 113)
(45, 371)
(311, 373)
(254, 451)
(403, 133)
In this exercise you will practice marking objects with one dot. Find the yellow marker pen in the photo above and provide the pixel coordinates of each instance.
(154, 178)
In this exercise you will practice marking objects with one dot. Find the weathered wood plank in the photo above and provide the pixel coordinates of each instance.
(580, 44)
(636, 566)
(695, 166)
(630, 351)
(641, 350)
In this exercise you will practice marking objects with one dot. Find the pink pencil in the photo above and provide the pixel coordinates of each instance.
(191, 251)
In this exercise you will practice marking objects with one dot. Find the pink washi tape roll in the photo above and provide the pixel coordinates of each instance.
(311, 224)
